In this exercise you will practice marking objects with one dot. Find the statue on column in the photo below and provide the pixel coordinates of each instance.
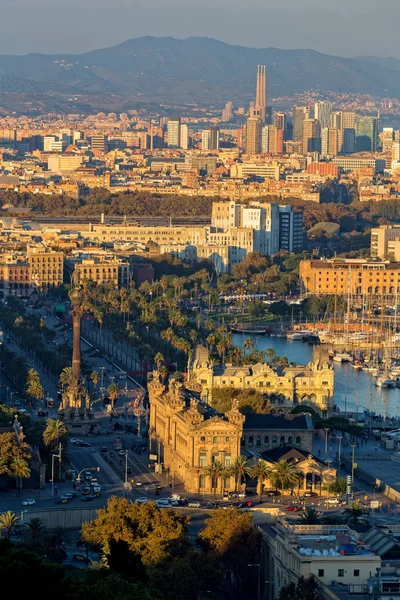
(76, 402)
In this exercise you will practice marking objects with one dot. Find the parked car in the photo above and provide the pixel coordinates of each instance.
(62, 500)
(104, 449)
(82, 443)
(162, 503)
(142, 500)
(70, 495)
(194, 504)
(334, 501)
(212, 505)
(28, 502)
(246, 503)
(85, 490)
(121, 452)
(292, 508)
(311, 494)
(273, 493)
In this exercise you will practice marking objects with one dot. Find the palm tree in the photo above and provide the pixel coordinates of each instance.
(216, 471)
(261, 472)
(239, 470)
(94, 377)
(159, 359)
(284, 474)
(248, 344)
(298, 480)
(163, 372)
(65, 379)
(55, 430)
(354, 512)
(8, 521)
(113, 392)
(33, 376)
(310, 517)
(20, 470)
(33, 386)
(34, 529)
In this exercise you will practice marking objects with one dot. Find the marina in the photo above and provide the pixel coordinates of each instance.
(355, 388)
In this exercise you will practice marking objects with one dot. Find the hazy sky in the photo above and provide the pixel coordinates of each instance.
(342, 27)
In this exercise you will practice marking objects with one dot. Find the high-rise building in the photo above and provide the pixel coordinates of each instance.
(291, 236)
(210, 139)
(322, 112)
(348, 119)
(253, 135)
(272, 140)
(279, 120)
(347, 140)
(366, 134)
(387, 138)
(299, 114)
(336, 120)
(261, 92)
(227, 112)
(174, 133)
(99, 142)
(184, 137)
(311, 141)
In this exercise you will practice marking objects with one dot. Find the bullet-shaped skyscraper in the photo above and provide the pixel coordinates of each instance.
(261, 92)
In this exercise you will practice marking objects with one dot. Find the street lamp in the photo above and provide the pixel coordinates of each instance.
(53, 456)
(259, 578)
(340, 437)
(326, 439)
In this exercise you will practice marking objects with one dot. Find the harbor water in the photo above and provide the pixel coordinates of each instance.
(352, 387)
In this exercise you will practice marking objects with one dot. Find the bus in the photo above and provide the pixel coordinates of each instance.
(118, 443)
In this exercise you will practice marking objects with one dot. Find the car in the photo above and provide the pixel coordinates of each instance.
(225, 497)
(28, 502)
(162, 503)
(212, 505)
(142, 500)
(85, 490)
(310, 494)
(82, 443)
(74, 440)
(241, 495)
(246, 503)
(121, 452)
(88, 498)
(273, 493)
(194, 504)
(158, 486)
(17, 403)
(292, 508)
(104, 449)
(70, 495)
(333, 501)
(62, 500)
(233, 495)
(88, 476)
(139, 483)
(172, 502)
(183, 502)
(94, 481)
(79, 557)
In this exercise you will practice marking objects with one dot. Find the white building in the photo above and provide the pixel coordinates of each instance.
(184, 137)
(174, 133)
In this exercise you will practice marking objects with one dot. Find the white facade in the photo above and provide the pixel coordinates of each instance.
(184, 137)
(174, 133)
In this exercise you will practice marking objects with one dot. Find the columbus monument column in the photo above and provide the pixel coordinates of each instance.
(76, 402)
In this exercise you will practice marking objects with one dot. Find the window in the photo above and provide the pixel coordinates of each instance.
(215, 439)
(298, 441)
(227, 460)
(282, 442)
(227, 439)
(202, 481)
(202, 459)
(251, 441)
(321, 572)
(203, 438)
(340, 572)
(266, 441)
(258, 442)
(274, 441)
(215, 458)
(356, 572)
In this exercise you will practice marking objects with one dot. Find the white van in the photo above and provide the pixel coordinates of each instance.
(162, 502)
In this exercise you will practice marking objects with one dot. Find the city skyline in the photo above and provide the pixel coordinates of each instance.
(308, 24)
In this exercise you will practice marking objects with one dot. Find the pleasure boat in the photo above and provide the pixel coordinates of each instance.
(342, 357)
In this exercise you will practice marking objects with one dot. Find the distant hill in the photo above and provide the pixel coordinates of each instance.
(195, 69)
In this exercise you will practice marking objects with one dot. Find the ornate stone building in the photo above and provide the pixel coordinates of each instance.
(191, 435)
(264, 432)
(312, 384)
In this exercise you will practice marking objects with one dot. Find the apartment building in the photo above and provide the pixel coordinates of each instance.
(15, 276)
(330, 553)
(101, 269)
(64, 163)
(385, 242)
(47, 266)
(347, 163)
(350, 276)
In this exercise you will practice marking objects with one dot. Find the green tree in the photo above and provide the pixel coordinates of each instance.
(239, 469)
(338, 486)
(8, 521)
(283, 474)
(260, 471)
(354, 512)
(248, 344)
(34, 388)
(65, 378)
(95, 377)
(54, 432)
(113, 392)
(34, 529)
(310, 516)
(158, 359)
(216, 471)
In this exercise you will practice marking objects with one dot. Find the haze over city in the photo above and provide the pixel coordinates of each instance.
(341, 28)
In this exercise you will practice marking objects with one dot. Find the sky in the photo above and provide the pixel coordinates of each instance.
(339, 27)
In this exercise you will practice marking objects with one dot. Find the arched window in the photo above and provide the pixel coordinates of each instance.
(377, 289)
(282, 442)
(266, 441)
(215, 439)
(202, 481)
(274, 441)
(258, 442)
(290, 440)
(251, 441)
(370, 289)
(298, 441)
(243, 441)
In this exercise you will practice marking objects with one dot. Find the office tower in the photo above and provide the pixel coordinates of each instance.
(291, 236)
(279, 120)
(387, 138)
(272, 140)
(174, 133)
(396, 151)
(99, 142)
(336, 120)
(348, 119)
(184, 137)
(366, 134)
(205, 139)
(253, 135)
(261, 92)
(299, 114)
(324, 141)
(311, 140)
(330, 141)
(322, 112)
(227, 112)
(210, 139)
(347, 141)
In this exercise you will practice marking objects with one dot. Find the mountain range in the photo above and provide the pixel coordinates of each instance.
(202, 70)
